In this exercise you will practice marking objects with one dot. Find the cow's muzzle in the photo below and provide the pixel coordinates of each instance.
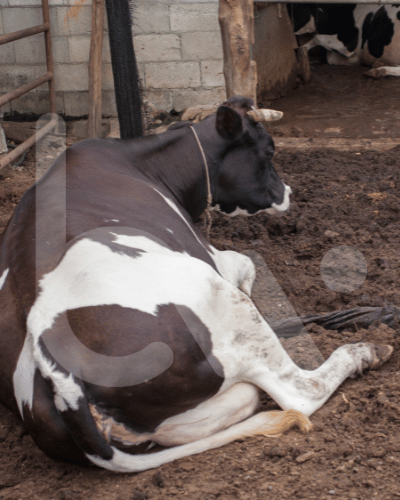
(282, 207)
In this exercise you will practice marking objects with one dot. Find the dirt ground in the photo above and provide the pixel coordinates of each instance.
(339, 198)
(340, 101)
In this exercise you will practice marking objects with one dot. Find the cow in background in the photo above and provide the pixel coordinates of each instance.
(353, 34)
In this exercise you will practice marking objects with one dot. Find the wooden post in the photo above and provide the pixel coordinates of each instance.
(236, 18)
(96, 46)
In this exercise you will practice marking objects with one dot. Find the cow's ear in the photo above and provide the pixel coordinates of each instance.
(229, 123)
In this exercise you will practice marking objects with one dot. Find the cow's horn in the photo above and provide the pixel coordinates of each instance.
(264, 115)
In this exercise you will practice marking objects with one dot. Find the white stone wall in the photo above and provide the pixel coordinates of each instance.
(177, 45)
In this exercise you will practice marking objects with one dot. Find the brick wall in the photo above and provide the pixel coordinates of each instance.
(177, 45)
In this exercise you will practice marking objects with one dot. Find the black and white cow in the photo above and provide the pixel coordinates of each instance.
(121, 327)
(353, 34)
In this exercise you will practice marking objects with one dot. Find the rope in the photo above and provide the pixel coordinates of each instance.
(209, 195)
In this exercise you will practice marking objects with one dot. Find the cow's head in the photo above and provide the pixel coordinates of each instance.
(247, 182)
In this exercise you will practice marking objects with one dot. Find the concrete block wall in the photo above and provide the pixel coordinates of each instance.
(177, 45)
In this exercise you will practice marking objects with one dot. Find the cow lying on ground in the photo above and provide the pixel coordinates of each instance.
(353, 34)
(122, 327)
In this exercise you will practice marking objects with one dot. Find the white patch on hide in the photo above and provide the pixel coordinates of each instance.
(23, 377)
(308, 28)
(175, 208)
(67, 391)
(3, 278)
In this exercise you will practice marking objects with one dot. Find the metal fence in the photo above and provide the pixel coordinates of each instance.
(48, 77)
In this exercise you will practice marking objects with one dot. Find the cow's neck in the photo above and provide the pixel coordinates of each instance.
(183, 171)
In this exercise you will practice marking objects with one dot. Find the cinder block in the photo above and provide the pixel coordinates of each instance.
(76, 103)
(74, 20)
(195, 1)
(161, 99)
(6, 109)
(185, 98)
(15, 19)
(1, 21)
(72, 3)
(3, 3)
(150, 19)
(157, 48)
(71, 77)
(141, 71)
(200, 17)
(212, 73)
(60, 49)
(37, 103)
(12, 77)
(172, 75)
(105, 24)
(7, 54)
(79, 48)
(202, 45)
(23, 3)
(107, 79)
(40, 71)
(153, 2)
(53, 21)
(56, 2)
(30, 50)
(109, 107)
(106, 56)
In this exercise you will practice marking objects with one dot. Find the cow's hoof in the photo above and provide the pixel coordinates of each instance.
(376, 73)
(377, 355)
(382, 354)
(368, 356)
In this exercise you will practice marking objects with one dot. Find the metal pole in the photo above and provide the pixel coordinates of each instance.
(13, 94)
(10, 37)
(48, 77)
(13, 155)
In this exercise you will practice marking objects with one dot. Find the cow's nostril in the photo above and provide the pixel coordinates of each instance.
(282, 207)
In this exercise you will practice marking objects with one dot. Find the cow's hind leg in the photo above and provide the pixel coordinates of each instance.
(306, 391)
(250, 351)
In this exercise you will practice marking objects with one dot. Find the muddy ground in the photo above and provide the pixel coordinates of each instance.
(339, 199)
